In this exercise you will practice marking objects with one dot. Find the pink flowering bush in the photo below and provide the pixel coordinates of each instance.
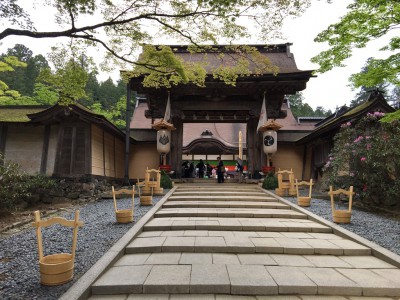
(367, 156)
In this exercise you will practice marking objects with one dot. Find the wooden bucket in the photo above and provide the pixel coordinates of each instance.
(341, 216)
(56, 269)
(303, 201)
(147, 190)
(158, 191)
(280, 192)
(124, 215)
(146, 200)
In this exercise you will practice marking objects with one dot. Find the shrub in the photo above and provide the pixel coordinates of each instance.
(270, 182)
(166, 182)
(367, 156)
(16, 186)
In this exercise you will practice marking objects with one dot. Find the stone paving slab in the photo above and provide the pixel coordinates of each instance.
(372, 283)
(331, 282)
(168, 279)
(206, 279)
(291, 280)
(251, 280)
(122, 280)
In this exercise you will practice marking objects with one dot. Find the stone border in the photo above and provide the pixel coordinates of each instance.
(377, 251)
(81, 288)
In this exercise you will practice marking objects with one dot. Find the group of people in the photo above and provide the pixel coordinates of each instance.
(189, 170)
(205, 170)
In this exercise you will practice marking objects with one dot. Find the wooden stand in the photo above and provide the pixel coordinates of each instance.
(304, 200)
(124, 215)
(341, 216)
(285, 187)
(152, 187)
(58, 268)
(145, 200)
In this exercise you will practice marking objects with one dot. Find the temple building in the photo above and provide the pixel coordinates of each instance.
(202, 123)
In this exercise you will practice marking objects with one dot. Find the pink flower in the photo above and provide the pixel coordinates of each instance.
(360, 138)
(363, 158)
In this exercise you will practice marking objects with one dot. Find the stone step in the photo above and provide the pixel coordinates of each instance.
(226, 187)
(233, 204)
(196, 273)
(235, 224)
(223, 198)
(229, 212)
(245, 244)
(218, 193)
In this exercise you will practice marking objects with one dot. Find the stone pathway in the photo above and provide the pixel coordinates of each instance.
(219, 241)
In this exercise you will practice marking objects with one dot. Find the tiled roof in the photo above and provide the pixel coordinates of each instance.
(290, 123)
(228, 133)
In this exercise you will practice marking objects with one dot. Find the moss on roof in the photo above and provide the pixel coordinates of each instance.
(350, 112)
(18, 113)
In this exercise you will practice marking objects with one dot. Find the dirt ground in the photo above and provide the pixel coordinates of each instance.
(12, 220)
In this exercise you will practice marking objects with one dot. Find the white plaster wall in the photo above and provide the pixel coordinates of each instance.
(24, 146)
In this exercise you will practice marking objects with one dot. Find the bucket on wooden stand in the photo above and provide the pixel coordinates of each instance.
(304, 201)
(124, 215)
(341, 215)
(145, 200)
(56, 269)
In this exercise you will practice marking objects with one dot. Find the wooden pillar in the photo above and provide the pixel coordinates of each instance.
(128, 116)
(176, 146)
(253, 146)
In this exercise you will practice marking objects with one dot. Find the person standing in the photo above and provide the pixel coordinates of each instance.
(201, 167)
(220, 170)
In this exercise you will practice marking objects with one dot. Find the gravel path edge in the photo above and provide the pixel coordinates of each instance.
(81, 288)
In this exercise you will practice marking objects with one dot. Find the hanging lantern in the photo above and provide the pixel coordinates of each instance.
(270, 141)
(163, 141)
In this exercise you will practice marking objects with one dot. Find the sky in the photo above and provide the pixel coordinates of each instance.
(329, 90)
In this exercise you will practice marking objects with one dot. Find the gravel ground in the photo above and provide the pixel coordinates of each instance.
(19, 267)
(381, 228)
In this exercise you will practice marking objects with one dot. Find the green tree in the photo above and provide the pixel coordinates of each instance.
(300, 109)
(365, 91)
(91, 89)
(7, 65)
(68, 79)
(45, 94)
(116, 114)
(122, 28)
(366, 20)
(106, 93)
(23, 79)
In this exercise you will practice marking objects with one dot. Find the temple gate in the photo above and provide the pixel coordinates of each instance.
(218, 102)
